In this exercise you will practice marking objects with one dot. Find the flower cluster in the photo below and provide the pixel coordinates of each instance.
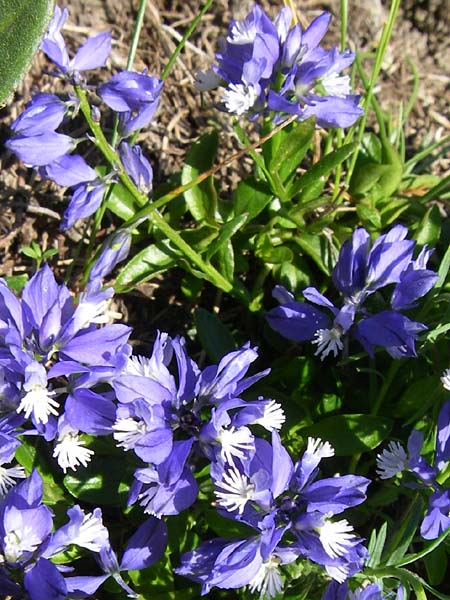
(291, 513)
(272, 66)
(64, 377)
(133, 96)
(49, 348)
(395, 460)
(361, 272)
(28, 543)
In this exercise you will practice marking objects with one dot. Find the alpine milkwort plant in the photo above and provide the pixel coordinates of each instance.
(360, 273)
(217, 465)
(272, 67)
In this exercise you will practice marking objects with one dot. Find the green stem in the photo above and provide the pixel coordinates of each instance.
(379, 57)
(131, 56)
(106, 149)
(185, 38)
(344, 22)
(275, 184)
(377, 404)
(155, 217)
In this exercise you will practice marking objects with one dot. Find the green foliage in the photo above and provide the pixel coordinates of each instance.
(201, 199)
(22, 25)
(214, 336)
(352, 433)
(35, 252)
(101, 482)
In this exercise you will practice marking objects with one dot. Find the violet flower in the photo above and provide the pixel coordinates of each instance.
(135, 96)
(137, 166)
(92, 54)
(27, 543)
(291, 513)
(360, 272)
(394, 460)
(273, 66)
(44, 328)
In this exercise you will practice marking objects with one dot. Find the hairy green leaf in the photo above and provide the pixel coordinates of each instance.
(22, 26)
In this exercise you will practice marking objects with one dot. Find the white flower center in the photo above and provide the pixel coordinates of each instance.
(328, 340)
(445, 379)
(273, 417)
(39, 401)
(391, 461)
(8, 477)
(15, 543)
(242, 32)
(267, 580)
(235, 443)
(336, 537)
(71, 453)
(92, 534)
(337, 85)
(239, 98)
(139, 365)
(237, 490)
(319, 449)
(128, 431)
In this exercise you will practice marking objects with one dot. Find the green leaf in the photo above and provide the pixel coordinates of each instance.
(403, 533)
(368, 214)
(429, 229)
(322, 168)
(270, 254)
(226, 232)
(287, 148)
(317, 248)
(251, 197)
(16, 283)
(101, 482)
(215, 337)
(224, 259)
(148, 263)
(374, 178)
(121, 202)
(201, 199)
(22, 26)
(376, 545)
(436, 564)
(351, 434)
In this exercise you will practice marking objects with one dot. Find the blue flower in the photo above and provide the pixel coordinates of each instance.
(271, 65)
(359, 273)
(92, 54)
(394, 460)
(289, 510)
(135, 96)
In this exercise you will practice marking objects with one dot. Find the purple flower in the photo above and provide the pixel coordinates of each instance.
(137, 166)
(359, 273)
(115, 250)
(69, 170)
(290, 510)
(92, 54)
(40, 150)
(437, 519)
(135, 96)
(45, 335)
(85, 200)
(44, 113)
(395, 460)
(271, 65)
(144, 548)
